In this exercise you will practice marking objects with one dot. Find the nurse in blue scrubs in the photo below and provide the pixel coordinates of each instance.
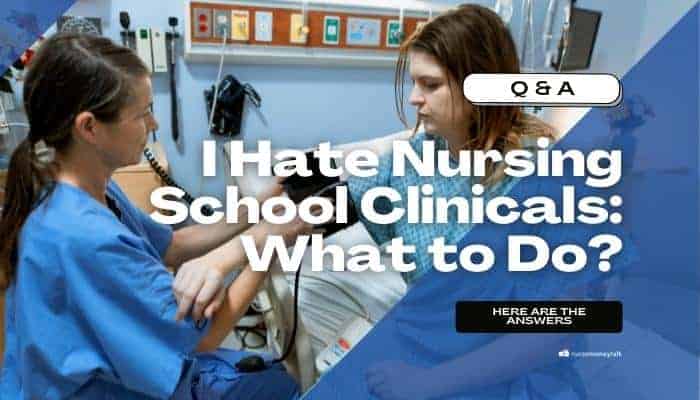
(91, 310)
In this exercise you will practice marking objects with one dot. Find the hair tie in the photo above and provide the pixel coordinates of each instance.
(42, 152)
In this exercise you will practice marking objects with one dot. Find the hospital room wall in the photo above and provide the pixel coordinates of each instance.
(303, 106)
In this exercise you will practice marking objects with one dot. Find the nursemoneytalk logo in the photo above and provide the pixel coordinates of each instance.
(565, 353)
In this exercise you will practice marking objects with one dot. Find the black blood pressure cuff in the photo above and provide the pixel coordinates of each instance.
(333, 227)
(300, 187)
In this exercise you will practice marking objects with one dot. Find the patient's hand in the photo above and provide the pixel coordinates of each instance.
(198, 287)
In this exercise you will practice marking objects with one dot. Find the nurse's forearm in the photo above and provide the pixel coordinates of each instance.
(194, 241)
(502, 360)
(238, 298)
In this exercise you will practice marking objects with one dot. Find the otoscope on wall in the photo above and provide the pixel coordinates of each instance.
(128, 36)
(171, 37)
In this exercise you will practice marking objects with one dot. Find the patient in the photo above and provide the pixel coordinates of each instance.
(438, 57)
(469, 39)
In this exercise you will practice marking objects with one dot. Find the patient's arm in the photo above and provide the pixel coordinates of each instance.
(502, 360)
(195, 241)
(238, 298)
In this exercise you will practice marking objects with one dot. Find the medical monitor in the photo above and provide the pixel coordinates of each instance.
(583, 30)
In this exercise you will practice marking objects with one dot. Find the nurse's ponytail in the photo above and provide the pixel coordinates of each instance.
(70, 74)
(25, 175)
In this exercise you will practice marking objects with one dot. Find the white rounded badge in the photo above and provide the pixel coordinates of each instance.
(598, 90)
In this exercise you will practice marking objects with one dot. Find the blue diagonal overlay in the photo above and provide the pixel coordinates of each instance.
(22, 22)
(415, 351)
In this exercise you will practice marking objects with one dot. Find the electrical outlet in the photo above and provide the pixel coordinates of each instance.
(393, 33)
(297, 34)
(263, 26)
(331, 30)
(222, 24)
(203, 23)
(240, 25)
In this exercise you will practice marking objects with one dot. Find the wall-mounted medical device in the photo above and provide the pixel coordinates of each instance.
(339, 32)
(143, 47)
(149, 43)
(151, 48)
(157, 49)
(578, 40)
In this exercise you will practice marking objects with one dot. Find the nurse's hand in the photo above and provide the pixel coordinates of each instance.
(198, 287)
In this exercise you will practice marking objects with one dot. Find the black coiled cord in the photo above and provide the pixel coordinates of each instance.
(206, 209)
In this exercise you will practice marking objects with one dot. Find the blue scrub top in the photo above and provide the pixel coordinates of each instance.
(91, 313)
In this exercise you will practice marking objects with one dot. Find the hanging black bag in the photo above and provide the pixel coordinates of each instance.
(230, 103)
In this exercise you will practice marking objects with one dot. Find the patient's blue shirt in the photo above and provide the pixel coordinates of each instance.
(420, 235)
(91, 313)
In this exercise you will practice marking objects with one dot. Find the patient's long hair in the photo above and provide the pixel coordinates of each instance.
(473, 39)
(70, 73)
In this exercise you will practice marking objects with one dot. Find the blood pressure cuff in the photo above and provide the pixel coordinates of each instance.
(300, 187)
(317, 184)
(228, 114)
(353, 218)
